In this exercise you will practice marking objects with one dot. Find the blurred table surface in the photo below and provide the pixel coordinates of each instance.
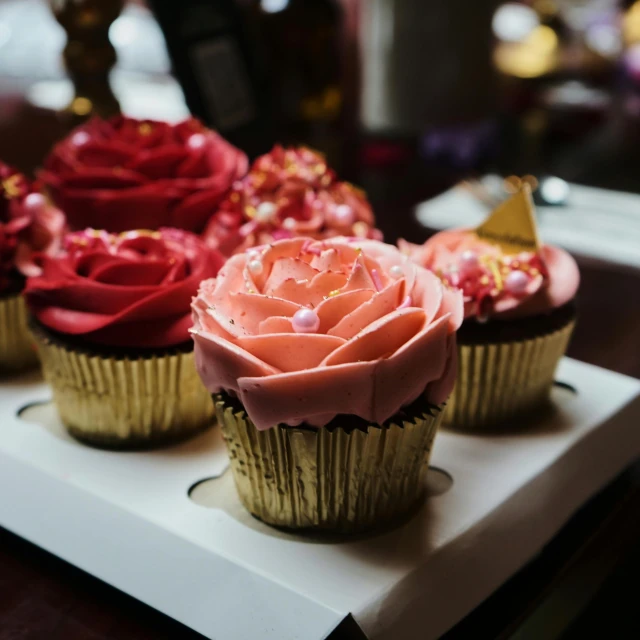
(575, 588)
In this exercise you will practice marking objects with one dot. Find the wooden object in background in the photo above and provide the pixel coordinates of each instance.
(89, 56)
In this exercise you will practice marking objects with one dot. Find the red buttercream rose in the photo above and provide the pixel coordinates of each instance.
(125, 174)
(288, 193)
(29, 225)
(128, 290)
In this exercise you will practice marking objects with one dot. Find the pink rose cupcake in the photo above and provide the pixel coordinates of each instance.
(289, 193)
(111, 316)
(29, 226)
(329, 362)
(519, 314)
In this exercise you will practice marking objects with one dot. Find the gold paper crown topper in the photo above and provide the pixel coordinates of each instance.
(512, 225)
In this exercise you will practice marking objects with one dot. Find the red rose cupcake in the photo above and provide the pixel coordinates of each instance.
(289, 193)
(125, 174)
(329, 362)
(519, 316)
(28, 226)
(111, 318)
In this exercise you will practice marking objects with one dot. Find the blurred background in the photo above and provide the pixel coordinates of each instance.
(546, 87)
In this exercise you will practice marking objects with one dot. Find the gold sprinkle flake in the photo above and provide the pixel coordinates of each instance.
(156, 235)
(484, 280)
(360, 229)
(534, 273)
(250, 211)
(145, 129)
(11, 187)
(497, 276)
(334, 293)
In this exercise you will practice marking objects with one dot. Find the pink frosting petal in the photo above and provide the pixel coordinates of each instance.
(249, 310)
(328, 260)
(424, 295)
(287, 269)
(221, 363)
(439, 388)
(311, 293)
(360, 277)
(334, 309)
(291, 352)
(276, 324)
(398, 375)
(308, 395)
(381, 304)
(380, 339)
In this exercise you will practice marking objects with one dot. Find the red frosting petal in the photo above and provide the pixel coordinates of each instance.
(125, 174)
(132, 290)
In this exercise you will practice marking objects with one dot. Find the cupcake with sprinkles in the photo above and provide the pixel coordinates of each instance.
(289, 192)
(519, 308)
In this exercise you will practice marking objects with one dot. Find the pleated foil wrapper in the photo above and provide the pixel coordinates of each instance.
(17, 350)
(498, 382)
(332, 480)
(125, 403)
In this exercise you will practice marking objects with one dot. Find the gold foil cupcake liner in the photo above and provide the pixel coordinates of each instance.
(17, 351)
(122, 402)
(333, 480)
(497, 382)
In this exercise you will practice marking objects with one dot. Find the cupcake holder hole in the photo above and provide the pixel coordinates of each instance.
(566, 386)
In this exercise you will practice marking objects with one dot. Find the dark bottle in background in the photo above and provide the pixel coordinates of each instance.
(216, 61)
(301, 44)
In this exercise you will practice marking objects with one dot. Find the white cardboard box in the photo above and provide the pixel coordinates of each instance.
(127, 518)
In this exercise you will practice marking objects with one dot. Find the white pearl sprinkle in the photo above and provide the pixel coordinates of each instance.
(80, 138)
(255, 267)
(196, 141)
(265, 211)
(289, 224)
(396, 271)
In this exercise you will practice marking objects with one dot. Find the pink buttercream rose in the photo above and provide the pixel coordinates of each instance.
(494, 284)
(304, 330)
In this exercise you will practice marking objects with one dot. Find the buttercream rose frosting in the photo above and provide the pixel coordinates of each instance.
(132, 289)
(29, 226)
(289, 193)
(123, 173)
(495, 284)
(304, 330)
